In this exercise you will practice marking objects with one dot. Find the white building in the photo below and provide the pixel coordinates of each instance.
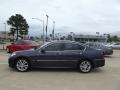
(91, 38)
(4, 35)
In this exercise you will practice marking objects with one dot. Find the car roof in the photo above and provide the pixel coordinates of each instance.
(64, 41)
(22, 40)
(61, 41)
(26, 40)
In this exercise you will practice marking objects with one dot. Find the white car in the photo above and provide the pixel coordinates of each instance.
(114, 45)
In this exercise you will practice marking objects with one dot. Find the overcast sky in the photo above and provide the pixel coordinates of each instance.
(79, 16)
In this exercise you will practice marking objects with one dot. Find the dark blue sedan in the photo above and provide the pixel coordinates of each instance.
(58, 54)
(98, 46)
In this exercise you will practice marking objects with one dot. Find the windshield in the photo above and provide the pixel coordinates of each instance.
(43, 45)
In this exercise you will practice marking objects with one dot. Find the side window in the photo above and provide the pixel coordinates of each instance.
(71, 46)
(116, 44)
(78, 47)
(91, 45)
(68, 46)
(54, 47)
(19, 43)
(25, 43)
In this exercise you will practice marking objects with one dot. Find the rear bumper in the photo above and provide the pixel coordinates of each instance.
(108, 52)
(98, 63)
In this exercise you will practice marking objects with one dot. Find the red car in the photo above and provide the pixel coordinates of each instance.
(21, 45)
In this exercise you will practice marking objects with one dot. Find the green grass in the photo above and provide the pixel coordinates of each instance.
(2, 43)
(2, 50)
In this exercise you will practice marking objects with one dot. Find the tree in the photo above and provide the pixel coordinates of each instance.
(19, 25)
(115, 38)
(69, 37)
(12, 32)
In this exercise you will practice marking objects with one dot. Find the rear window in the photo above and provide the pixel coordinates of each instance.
(30, 43)
(72, 46)
(19, 42)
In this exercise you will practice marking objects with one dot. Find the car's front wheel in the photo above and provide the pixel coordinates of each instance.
(85, 66)
(22, 65)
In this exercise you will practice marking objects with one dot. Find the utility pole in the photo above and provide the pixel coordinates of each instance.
(46, 26)
(98, 35)
(53, 32)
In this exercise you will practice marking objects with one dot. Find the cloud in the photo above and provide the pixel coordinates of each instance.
(70, 15)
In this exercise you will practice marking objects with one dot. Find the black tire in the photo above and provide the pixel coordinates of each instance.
(22, 65)
(85, 66)
(8, 51)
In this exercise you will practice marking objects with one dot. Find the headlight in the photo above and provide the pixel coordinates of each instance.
(13, 54)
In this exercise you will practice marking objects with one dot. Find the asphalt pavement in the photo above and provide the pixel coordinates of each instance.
(104, 78)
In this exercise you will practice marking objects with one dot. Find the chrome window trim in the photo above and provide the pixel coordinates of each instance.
(49, 43)
(54, 67)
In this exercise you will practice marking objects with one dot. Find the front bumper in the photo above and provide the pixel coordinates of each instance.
(98, 63)
(11, 62)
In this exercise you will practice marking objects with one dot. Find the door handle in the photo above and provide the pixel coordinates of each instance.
(59, 53)
(80, 53)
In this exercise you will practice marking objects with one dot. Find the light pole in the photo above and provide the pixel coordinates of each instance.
(43, 27)
(4, 36)
(5, 31)
(53, 32)
(46, 26)
(98, 35)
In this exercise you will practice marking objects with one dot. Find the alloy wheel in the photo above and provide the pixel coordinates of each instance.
(22, 65)
(85, 66)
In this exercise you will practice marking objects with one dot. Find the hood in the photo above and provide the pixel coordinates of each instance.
(26, 52)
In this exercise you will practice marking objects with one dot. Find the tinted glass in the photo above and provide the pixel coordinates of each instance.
(90, 44)
(116, 44)
(54, 47)
(19, 42)
(30, 42)
(71, 46)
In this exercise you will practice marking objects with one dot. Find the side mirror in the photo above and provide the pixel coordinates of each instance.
(42, 51)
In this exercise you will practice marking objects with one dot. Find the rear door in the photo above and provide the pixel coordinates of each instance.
(72, 54)
(17, 46)
(30, 44)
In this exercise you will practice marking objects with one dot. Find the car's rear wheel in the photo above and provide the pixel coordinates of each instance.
(22, 65)
(85, 66)
(7, 49)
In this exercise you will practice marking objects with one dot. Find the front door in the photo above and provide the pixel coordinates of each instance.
(51, 57)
